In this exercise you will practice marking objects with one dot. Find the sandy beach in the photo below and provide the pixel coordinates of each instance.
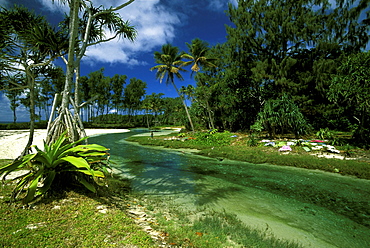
(12, 142)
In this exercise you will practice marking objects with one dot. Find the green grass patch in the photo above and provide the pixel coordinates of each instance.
(259, 155)
(71, 219)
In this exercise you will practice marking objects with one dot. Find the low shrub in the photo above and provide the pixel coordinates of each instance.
(60, 159)
(213, 138)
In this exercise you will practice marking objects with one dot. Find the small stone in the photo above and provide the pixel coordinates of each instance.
(103, 211)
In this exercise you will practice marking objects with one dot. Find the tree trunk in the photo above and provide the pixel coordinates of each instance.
(210, 116)
(31, 83)
(186, 107)
(65, 119)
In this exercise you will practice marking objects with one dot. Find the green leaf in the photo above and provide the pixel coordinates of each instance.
(101, 155)
(76, 161)
(19, 164)
(47, 182)
(88, 185)
(32, 188)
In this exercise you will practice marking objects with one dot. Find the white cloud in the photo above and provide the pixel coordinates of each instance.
(54, 6)
(156, 25)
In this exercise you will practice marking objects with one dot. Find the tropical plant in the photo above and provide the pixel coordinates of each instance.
(58, 159)
(281, 114)
(169, 66)
(213, 138)
(350, 90)
(252, 141)
(30, 45)
(324, 133)
(197, 56)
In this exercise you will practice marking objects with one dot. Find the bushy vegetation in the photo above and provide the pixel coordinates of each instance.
(212, 138)
(63, 160)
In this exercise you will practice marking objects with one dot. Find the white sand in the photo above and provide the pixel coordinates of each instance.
(13, 142)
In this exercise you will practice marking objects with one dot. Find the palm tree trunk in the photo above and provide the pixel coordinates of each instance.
(186, 107)
(210, 116)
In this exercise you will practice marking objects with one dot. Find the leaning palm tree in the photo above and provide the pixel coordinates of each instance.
(169, 66)
(197, 55)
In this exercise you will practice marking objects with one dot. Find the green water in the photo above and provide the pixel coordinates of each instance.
(316, 209)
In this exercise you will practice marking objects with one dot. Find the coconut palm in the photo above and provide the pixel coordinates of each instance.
(197, 55)
(169, 66)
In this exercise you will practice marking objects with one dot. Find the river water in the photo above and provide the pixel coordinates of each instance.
(310, 207)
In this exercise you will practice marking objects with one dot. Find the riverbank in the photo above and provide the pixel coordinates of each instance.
(356, 165)
(12, 142)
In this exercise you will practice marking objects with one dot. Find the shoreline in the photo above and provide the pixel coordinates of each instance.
(12, 142)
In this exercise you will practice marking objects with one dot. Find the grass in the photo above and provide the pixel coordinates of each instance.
(73, 219)
(76, 218)
(240, 151)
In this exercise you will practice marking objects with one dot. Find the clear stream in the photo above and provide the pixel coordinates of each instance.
(313, 208)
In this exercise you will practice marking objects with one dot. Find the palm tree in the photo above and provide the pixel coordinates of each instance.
(169, 66)
(198, 58)
(197, 55)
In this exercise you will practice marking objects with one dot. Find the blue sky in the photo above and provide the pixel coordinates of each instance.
(157, 21)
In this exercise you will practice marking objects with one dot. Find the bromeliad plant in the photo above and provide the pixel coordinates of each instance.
(42, 167)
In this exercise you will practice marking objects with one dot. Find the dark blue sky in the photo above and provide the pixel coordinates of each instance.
(157, 21)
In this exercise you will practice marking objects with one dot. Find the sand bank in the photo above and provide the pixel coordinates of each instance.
(12, 142)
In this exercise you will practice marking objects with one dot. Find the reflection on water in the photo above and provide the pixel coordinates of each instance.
(314, 208)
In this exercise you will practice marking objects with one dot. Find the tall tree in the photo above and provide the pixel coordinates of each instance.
(350, 90)
(152, 103)
(133, 94)
(277, 47)
(169, 66)
(118, 84)
(14, 98)
(96, 85)
(96, 21)
(203, 96)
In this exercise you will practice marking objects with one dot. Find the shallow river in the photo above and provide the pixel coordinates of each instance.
(316, 209)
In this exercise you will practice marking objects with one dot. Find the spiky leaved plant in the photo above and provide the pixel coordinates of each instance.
(59, 158)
